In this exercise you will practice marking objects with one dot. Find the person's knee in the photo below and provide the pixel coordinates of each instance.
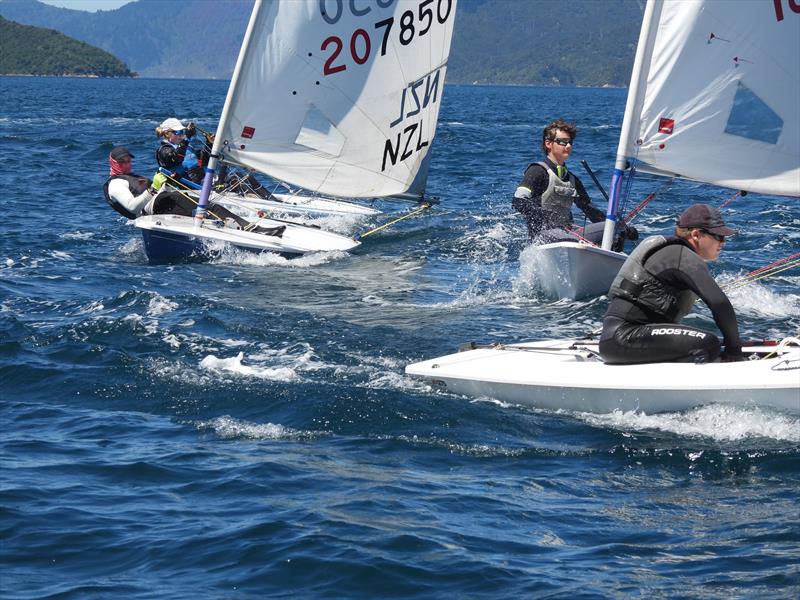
(707, 350)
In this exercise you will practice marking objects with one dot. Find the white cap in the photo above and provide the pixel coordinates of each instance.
(173, 124)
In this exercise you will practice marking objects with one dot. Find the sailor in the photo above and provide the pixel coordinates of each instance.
(176, 156)
(548, 189)
(174, 153)
(132, 196)
(657, 286)
(129, 194)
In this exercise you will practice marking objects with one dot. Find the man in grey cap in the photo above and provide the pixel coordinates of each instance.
(657, 286)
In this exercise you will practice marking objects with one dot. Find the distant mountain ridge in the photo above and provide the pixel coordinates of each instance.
(29, 50)
(524, 42)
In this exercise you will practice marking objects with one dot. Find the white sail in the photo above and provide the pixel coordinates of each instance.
(340, 97)
(718, 96)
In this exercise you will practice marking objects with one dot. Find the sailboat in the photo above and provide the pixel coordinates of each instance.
(721, 78)
(338, 98)
(713, 98)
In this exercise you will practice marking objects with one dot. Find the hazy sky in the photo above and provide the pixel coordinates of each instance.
(90, 5)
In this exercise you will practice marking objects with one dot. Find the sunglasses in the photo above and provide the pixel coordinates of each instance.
(563, 141)
(179, 131)
(716, 236)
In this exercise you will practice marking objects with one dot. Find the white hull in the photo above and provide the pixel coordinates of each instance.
(296, 204)
(574, 270)
(568, 375)
(176, 236)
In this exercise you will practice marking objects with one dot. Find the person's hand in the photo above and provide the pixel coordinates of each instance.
(631, 233)
(191, 129)
(732, 355)
(210, 137)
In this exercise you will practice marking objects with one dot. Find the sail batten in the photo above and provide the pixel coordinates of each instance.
(344, 102)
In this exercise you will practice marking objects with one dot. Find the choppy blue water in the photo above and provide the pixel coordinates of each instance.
(244, 428)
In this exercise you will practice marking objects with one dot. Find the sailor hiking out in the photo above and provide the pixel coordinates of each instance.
(656, 288)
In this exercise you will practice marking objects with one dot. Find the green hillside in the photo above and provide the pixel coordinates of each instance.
(26, 50)
(545, 42)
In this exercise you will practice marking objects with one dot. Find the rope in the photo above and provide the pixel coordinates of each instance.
(779, 266)
(176, 183)
(575, 348)
(241, 204)
(577, 233)
(631, 215)
(784, 343)
(732, 198)
(423, 207)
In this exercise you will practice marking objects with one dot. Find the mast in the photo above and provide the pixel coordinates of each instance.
(630, 121)
(208, 178)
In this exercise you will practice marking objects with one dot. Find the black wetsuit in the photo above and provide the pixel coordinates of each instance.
(633, 333)
(536, 179)
(171, 158)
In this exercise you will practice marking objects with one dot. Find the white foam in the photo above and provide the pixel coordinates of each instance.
(159, 305)
(532, 268)
(172, 340)
(299, 357)
(78, 235)
(227, 427)
(93, 307)
(230, 255)
(718, 422)
(133, 246)
(234, 365)
(757, 299)
(343, 224)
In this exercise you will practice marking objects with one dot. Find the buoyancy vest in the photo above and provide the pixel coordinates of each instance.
(559, 195)
(637, 284)
(190, 160)
(137, 184)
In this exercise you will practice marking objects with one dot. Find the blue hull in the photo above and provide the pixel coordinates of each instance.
(165, 247)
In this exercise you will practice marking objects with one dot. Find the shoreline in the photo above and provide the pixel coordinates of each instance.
(71, 75)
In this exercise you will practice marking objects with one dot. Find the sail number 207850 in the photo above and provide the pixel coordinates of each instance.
(408, 27)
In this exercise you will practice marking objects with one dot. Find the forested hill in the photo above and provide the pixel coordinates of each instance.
(27, 50)
(545, 42)
(533, 42)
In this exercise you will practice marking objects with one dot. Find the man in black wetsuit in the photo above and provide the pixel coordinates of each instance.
(548, 189)
(656, 288)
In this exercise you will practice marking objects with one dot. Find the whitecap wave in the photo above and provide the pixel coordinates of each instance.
(231, 256)
(717, 422)
(227, 427)
(158, 305)
(77, 235)
(133, 247)
(235, 365)
(759, 300)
